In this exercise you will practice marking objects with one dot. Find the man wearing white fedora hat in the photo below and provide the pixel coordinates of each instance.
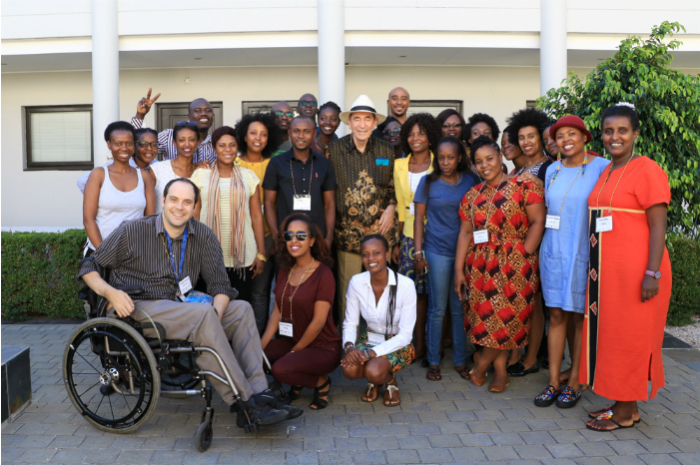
(365, 200)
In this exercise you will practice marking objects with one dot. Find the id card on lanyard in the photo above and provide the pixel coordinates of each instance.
(374, 339)
(184, 285)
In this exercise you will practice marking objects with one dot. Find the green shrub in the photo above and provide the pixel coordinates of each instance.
(38, 274)
(685, 298)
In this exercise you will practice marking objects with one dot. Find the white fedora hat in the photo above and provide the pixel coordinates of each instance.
(362, 104)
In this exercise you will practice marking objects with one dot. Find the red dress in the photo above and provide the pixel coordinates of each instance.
(622, 337)
(502, 277)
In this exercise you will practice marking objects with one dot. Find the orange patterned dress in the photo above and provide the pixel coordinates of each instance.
(502, 277)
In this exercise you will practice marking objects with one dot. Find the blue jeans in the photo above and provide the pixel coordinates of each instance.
(442, 294)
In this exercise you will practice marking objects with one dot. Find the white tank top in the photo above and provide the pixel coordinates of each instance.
(414, 180)
(164, 174)
(115, 206)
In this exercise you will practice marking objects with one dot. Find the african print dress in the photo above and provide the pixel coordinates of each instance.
(501, 276)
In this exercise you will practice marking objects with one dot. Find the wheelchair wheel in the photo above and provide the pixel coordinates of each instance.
(203, 437)
(111, 375)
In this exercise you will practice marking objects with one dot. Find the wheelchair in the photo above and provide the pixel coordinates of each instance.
(114, 374)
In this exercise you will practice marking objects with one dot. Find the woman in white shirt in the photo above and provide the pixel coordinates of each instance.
(386, 300)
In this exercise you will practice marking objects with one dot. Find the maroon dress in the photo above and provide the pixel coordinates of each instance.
(322, 356)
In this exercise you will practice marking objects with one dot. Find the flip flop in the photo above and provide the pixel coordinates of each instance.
(619, 426)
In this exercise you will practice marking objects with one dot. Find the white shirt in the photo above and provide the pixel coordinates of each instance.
(361, 301)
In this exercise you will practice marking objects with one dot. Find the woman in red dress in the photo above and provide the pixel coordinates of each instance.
(629, 280)
(502, 226)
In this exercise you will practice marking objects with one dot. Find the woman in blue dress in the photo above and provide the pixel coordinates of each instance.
(564, 252)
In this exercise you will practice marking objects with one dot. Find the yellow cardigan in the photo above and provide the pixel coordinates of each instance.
(404, 196)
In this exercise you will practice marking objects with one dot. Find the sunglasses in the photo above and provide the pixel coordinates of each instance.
(300, 235)
(186, 123)
(304, 103)
(454, 125)
(382, 162)
(288, 114)
(391, 132)
(143, 144)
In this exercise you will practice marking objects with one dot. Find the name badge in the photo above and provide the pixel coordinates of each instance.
(302, 202)
(412, 209)
(552, 222)
(184, 287)
(286, 329)
(603, 224)
(481, 237)
(375, 338)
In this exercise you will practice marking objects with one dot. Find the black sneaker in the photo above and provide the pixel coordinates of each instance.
(250, 414)
(269, 397)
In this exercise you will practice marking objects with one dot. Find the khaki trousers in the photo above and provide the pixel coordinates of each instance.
(349, 264)
(236, 334)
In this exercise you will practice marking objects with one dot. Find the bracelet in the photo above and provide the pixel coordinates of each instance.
(261, 257)
(348, 344)
(366, 351)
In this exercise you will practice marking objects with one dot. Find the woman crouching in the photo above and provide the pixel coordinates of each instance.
(386, 300)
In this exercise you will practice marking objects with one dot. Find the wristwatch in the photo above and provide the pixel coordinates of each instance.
(653, 274)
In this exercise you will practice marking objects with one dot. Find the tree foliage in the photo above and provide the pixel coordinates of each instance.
(668, 103)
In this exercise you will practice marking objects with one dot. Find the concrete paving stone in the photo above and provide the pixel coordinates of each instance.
(36, 441)
(628, 447)
(37, 455)
(433, 417)
(500, 453)
(424, 396)
(304, 431)
(626, 460)
(444, 440)
(567, 436)
(317, 420)
(287, 444)
(476, 439)
(483, 426)
(382, 443)
(685, 419)
(61, 430)
(449, 395)
(31, 417)
(686, 445)
(539, 424)
(402, 456)
(159, 444)
(517, 413)
(658, 459)
(11, 453)
(11, 428)
(494, 415)
(513, 426)
(462, 415)
(403, 417)
(535, 451)
(564, 450)
(658, 446)
(9, 440)
(468, 404)
(545, 413)
(128, 442)
(464, 455)
(628, 433)
(319, 444)
(135, 457)
(202, 458)
(687, 458)
(684, 407)
(453, 427)
(594, 436)
(506, 439)
(369, 456)
(167, 457)
(421, 429)
(69, 456)
(334, 457)
(537, 437)
(423, 406)
(63, 442)
(347, 420)
(557, 461)
(97, 442)
(376, 419)
(301, 458)
(350, 444)
(394, 430)
(334, 431)
(413, 442)
(596, 449)
(103, 456)
(435, 455)
(592, 461)
(685, 431)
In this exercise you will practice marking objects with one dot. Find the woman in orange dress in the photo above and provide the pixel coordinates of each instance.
(629, 280)
(502, 225)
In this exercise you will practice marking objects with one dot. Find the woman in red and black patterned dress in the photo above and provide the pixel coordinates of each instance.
(502, 225)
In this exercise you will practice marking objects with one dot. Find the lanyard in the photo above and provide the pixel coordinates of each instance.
(311, 176)
(556, 173)
(182, 254)
(597, 200)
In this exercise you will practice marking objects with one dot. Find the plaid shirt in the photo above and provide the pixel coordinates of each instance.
(166, 145)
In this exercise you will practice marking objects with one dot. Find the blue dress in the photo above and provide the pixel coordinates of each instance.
(564, 252)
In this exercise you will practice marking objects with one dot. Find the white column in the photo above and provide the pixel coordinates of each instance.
(105, 73)
(331, 54)
(553, 67)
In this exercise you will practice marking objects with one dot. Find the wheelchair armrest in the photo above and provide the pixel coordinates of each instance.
(132, 290)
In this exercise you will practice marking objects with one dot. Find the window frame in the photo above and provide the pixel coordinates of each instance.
(30, 165)
(250, 107)
(457, 105)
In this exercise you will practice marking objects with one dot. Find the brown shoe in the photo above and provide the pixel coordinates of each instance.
(498, 388)
(476, 381)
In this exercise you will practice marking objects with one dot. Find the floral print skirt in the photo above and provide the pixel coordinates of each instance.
(398, 359)
(406, 265)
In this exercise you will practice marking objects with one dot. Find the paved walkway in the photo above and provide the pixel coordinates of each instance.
(449, 421)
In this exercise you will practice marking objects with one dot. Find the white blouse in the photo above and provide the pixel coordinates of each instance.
(361, 301)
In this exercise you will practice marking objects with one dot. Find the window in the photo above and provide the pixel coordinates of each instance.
(58, 137)
(265, 106)
(434, 107)
(530, 103)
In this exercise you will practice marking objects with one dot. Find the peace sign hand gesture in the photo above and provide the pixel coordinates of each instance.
(144, 105)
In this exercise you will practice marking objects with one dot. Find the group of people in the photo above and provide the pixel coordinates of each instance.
(276, 219)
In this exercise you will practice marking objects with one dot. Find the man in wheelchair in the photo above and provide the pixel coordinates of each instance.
(164, 255)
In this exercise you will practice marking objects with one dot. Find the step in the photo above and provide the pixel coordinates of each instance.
(16, 380)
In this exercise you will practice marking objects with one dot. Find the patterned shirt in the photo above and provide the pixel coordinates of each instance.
(137, 255)
(166, 145)
(365, 189)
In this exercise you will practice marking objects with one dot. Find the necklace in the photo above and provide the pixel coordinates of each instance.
(558, 169)
(291, 297)
(597, 204)
(528, 167)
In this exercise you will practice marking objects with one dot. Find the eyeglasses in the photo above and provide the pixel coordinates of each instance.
(186, 123)
(143, 144)
(391, 132)
(288, 114)
(453, 125)
(300, 235)
(304, 103)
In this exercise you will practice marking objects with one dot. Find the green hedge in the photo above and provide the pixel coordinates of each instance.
(38, 274)
(39, 269)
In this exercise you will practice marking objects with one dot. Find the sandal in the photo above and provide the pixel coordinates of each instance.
(606, 414)
(294, 392)
(463, 372)
(600, 430)
(318, 403)
(434, 373)
(372, 392)
(389, 399)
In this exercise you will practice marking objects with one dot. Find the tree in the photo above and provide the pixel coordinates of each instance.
(668, 103)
